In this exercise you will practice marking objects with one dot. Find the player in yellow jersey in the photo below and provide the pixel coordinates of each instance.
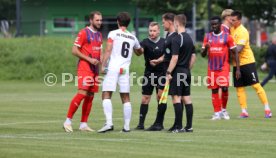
(249, 76)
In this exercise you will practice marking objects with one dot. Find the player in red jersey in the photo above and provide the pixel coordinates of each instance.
(216, 44)
(87, 47)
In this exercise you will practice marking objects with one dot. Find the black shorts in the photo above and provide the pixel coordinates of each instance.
(153, 79)
(180, 84)
(249, 75)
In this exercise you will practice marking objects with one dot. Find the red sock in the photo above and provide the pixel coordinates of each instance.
(224, 99)
(86, 108)
(216, 102)
(74, 105)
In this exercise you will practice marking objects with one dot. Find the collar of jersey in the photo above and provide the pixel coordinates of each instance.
(217, 34)
(154, 41)
(91, 29)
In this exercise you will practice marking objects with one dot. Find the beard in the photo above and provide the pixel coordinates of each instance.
(97, 27)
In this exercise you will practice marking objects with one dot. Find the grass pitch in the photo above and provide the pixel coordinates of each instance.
(32, 114)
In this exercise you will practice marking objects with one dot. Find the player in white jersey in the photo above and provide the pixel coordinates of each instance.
(119, 49)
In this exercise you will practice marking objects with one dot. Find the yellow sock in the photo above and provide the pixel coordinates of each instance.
(241, 97)
(261, 93)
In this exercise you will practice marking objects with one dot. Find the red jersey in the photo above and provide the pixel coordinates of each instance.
(90, 44)
(225, 28)
(218, 52)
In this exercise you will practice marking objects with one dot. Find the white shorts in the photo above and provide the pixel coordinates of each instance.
(112, 78)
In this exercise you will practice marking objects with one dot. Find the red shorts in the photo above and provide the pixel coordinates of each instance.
(88, 81)
(217, 79)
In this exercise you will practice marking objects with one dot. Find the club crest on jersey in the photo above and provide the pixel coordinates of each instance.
(209, 41)
(156, 47)
(168, 51)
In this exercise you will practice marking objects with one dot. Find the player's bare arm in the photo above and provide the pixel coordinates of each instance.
(106, 56)
(235, 52)
(76, 52)
(205, 50)
(139, 51)
(171, 66)
(240, 48)
(192, 61)
(155, 62)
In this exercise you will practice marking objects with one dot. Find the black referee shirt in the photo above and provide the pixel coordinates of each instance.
(168, 47)
(183, 46)
(153, 50)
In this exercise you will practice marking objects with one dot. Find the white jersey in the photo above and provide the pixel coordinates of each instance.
(123, 44)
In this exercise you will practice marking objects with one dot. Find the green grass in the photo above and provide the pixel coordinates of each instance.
(31, 117)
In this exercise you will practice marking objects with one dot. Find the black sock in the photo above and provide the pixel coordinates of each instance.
(143, 113)
(189, 115)
(178, 115)
(161, 110)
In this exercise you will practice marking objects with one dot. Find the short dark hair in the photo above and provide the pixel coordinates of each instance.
(237, 13)
(93, 13)
(181, 18)
(123, 19)
(168, 16)
(154, 23)
(216, 18)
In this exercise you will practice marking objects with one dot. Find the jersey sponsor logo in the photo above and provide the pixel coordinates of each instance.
(216, 49)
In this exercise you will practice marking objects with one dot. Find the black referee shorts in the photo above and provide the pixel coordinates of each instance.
(180, 84)
(153, 80)
(249, 75)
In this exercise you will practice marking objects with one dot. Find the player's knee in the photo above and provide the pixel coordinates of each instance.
(224, 89)
(240, 90)
(258, 88)
(145, 99)
(215, 91)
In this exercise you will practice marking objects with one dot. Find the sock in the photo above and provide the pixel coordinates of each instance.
(127, 115)
(244, 111)
(107, 107)
(267, 107)
(216, 102)
(143, 113)
(224, 99)
(241, 97)
(178, 115)
(83, 124)
(161, 109)
(86, 108)
(68, 121)
(189, 115)
(74, 105)
(261, 93)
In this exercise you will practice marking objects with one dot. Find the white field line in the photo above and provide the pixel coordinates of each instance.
(45, 122)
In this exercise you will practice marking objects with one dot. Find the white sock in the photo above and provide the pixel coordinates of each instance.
(217, 113)
(244, 111)
(107, 107)
(127, 115)
(266, 107)
(68, 121)
(83, 124)
(223, 110)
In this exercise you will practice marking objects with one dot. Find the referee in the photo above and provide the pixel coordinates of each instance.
(153, 74)
(167, 22)
(179, 75)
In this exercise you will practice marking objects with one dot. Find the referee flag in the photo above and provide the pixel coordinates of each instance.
(164, 96)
